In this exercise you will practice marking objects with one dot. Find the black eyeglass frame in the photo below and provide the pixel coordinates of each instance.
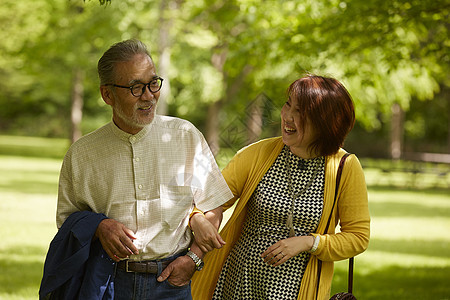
(143, 88)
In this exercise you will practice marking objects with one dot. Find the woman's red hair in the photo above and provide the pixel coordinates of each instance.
(326, 103)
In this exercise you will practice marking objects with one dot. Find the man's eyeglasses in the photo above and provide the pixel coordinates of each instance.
(139, 88)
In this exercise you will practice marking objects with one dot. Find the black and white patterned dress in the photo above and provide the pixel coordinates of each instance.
(245, 275)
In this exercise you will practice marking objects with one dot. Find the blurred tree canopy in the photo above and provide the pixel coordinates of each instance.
(228, 63)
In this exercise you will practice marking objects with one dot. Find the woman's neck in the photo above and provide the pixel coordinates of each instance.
(303, 153)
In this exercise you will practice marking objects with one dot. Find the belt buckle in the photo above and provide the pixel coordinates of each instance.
(126, 266)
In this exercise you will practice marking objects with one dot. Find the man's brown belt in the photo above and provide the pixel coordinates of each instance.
(150, 267)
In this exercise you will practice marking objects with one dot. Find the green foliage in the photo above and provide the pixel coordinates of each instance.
(426, 126)
(41, 84)
(102, 2)
(227, 52)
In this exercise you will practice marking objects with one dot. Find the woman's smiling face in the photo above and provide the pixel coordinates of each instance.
(297, 133)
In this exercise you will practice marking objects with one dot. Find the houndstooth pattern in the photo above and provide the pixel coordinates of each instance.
(245, 275)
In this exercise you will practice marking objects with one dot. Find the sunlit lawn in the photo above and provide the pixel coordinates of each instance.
(408, 256)
(27, 222)
(409, 252)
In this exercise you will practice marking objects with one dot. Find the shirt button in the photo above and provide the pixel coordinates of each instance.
(138, 159)
(140, 186)
(132, 139)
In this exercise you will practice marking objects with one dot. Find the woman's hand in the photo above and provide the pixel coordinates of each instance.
(205, 233)
(283, 250)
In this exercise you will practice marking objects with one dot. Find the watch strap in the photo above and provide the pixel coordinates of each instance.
(197, 260)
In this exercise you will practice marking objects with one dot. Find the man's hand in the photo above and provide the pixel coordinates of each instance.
(205, 233)
(116, 239)
(179, 272)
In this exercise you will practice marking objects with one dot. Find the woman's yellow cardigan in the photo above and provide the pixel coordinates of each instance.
(243, 174)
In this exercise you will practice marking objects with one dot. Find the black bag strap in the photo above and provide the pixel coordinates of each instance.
(350, 274)
(319, 266)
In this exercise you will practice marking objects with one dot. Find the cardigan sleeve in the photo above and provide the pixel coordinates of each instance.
(352, 212)
(247, 167)
(235, 179)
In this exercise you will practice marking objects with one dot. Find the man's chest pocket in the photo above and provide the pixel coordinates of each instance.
(176, 204)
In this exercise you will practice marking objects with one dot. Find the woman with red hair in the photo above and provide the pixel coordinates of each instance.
(285, 188)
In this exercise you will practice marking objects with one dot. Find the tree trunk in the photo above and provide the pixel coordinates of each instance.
(445, 94)
(397, 131)
(255, 119)
(76, 112)
(212, 125)
(212, 119)
(164, 49)
(218, 59)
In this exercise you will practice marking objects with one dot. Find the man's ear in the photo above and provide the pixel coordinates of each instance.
(107, 95)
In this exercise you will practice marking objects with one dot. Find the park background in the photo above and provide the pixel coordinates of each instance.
(227, 65)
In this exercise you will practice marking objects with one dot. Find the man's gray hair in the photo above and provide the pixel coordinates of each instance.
(119, 52)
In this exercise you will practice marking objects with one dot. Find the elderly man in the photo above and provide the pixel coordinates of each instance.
(145, 174)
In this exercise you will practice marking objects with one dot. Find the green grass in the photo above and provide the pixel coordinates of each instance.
(28, 189)
(33, 146)
(408, 256)
(409, 251)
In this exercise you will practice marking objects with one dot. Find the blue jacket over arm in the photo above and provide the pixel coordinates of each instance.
(75, 266)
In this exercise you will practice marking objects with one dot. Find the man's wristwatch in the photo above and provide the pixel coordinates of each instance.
(197, 260)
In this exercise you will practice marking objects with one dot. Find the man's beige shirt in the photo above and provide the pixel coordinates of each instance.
(150, 182)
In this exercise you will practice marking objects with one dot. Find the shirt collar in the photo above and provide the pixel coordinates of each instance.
(132, 138)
